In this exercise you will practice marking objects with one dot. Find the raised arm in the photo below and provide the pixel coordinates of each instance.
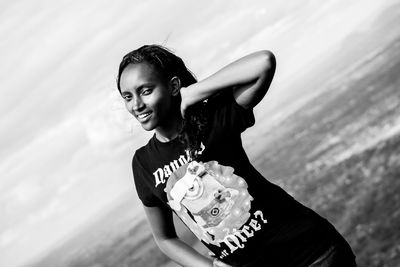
(163, 230)
(250, 76)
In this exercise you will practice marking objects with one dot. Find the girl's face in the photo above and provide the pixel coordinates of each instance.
(147, 96)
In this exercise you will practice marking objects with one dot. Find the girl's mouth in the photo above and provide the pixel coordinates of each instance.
(144, 116)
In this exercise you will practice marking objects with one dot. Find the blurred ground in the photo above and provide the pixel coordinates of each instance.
(338, 152)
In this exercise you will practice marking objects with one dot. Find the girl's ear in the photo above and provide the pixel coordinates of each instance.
(175, 85)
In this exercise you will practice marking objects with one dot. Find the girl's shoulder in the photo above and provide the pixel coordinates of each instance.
(142, 152)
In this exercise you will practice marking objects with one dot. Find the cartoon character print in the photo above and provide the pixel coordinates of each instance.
(210, 199)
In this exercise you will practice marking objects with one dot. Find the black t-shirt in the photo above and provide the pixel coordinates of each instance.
(276, 229)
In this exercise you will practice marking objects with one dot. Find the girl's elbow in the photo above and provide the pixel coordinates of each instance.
(163, 244)
(269, 61)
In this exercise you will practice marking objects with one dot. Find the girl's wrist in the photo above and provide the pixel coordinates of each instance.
(218, 263)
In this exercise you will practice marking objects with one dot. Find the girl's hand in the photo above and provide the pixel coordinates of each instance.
(218, 263)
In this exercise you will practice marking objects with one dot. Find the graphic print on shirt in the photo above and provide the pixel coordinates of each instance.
(162, 174)
(214, 203)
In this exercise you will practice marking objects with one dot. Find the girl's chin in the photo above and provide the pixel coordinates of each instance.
(147, 126)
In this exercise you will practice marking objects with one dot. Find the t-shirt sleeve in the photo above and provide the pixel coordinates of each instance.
(229, 114)
(145, 194)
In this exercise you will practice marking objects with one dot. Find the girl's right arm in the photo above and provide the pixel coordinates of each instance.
(163, 229)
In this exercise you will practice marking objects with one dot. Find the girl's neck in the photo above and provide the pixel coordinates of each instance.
(170, 131)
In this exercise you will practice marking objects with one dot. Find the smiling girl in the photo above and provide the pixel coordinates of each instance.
(195, 166)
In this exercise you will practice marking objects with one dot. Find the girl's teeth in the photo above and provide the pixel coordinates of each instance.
(141, 116)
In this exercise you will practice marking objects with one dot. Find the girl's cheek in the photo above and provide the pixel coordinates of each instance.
(128, 106)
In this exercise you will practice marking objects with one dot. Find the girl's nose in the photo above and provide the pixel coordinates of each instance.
(137, 104)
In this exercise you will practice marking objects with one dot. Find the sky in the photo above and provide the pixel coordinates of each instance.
(66, 140)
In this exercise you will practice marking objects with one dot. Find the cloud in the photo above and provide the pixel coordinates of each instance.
(25, 192)
(49, 210)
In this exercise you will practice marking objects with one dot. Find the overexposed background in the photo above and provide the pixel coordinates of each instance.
(66, 140)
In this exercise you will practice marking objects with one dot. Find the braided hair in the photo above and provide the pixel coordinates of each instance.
(168, 65)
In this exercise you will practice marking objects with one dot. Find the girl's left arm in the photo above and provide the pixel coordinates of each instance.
(249, 76)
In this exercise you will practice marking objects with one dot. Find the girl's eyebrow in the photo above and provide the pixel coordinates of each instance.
(140, 87)
(125, 93)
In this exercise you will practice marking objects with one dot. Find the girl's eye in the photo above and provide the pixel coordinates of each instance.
(126, 97)
(147, 91)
